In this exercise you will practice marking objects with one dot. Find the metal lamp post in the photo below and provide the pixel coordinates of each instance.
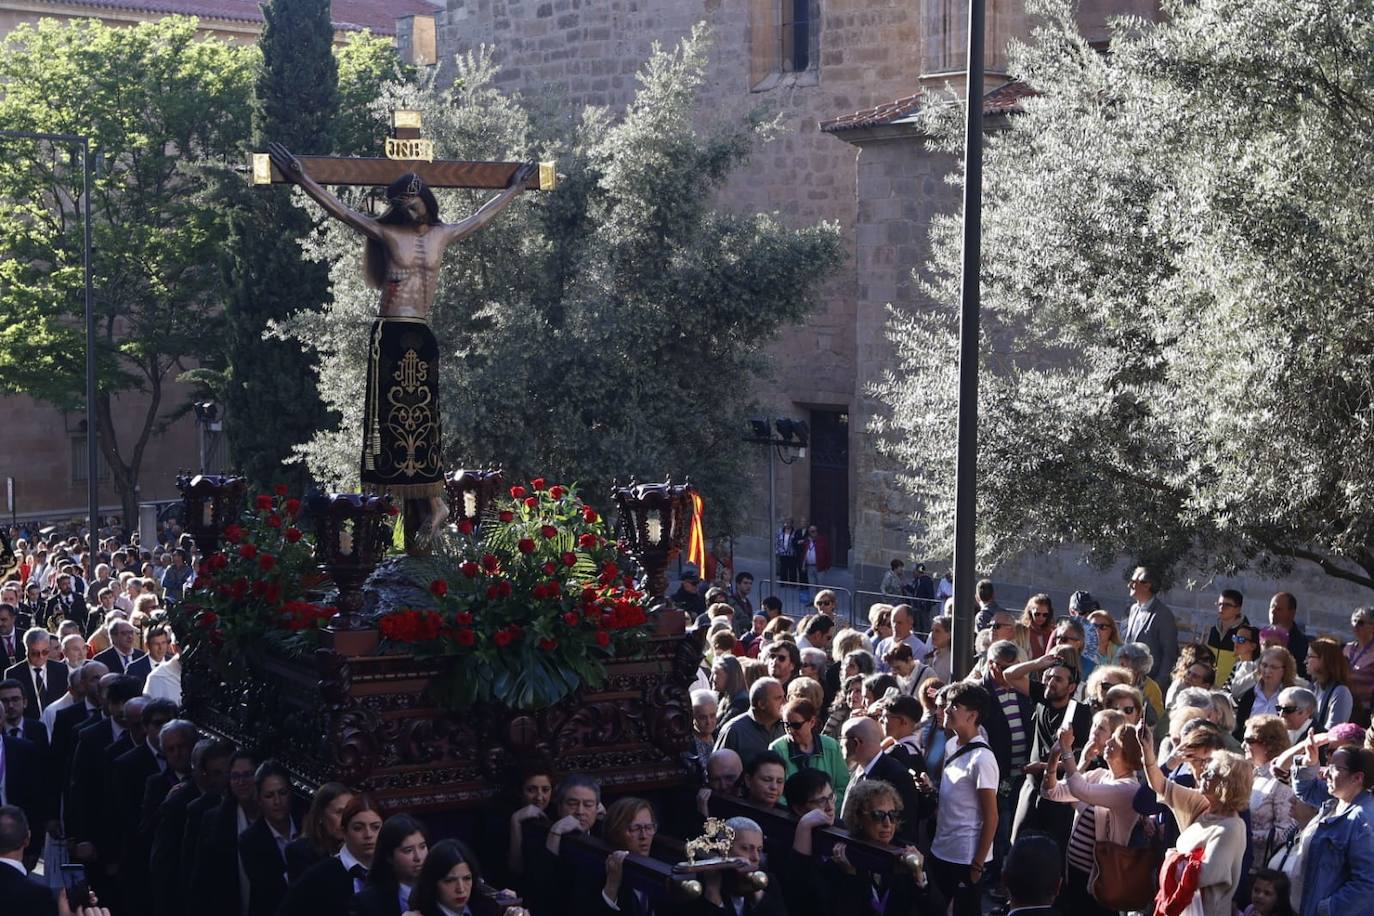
(92, 426)
(966, 462)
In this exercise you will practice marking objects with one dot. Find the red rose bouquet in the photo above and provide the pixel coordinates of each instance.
(533, 606)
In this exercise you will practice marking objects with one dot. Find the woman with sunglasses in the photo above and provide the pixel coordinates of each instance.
(1271, 800)
(1108, 637)
(1038, 619)
(873, 814)
(1359, 652)
(803, 747)
(1246, 650)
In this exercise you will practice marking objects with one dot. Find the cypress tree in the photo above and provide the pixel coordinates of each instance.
(272, 402)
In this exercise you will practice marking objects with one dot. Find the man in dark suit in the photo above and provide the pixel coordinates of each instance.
(86, 782)
(129, 777)
(12, 720)
(24, 782)
(863, 750)
(42, 681)
(214, 875)
(169, 858)
(122, 655)
(67, 604)
(1032, 872)
(19, 893)
(87, 710)
(9, 636)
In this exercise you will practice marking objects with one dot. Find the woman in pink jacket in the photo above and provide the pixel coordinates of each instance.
(1105, 797)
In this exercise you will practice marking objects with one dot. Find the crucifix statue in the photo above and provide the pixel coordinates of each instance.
(403, 253)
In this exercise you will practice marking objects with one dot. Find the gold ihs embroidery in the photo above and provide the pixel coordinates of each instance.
(411, 372)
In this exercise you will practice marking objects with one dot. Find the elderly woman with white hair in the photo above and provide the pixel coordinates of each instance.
(1137, 657)
(1360, 653)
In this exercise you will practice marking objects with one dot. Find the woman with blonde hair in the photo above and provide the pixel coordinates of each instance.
(879, 623)
(1271, 800)
(1108, 637)
(1209, 818)
(1108, 791)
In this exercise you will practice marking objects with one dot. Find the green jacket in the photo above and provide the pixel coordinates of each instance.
(828, 758)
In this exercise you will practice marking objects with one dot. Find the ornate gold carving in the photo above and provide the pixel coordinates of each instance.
(717, 841)
(416, 150)
(260, 168)
(548, 178)
(405, 117)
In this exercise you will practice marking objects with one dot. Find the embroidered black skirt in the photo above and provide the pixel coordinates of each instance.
(402, 445)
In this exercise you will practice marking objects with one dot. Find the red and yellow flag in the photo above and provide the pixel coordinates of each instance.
(696, 537)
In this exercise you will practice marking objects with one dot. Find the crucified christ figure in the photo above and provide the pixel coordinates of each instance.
(403, 253)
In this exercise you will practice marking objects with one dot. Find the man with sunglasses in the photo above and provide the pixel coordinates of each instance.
(862, 738)
(964, 832)
(1221, 639)
(1152, 622)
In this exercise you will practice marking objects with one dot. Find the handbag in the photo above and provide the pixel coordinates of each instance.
(1124, 876)
(1180, 884)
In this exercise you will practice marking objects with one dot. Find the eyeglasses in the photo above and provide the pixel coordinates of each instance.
(1101, 626)
(1253, 739)
(1003, 626)
(796, 726)
(1128, 710)
(1240, 640)
(822, 800)
(1226, 604)
(825, 603)
(885, 817)
(1286, 710)
(642, 829)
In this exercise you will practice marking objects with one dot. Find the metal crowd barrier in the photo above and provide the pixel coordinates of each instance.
(798, 598)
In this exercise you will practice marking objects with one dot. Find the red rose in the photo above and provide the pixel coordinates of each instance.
(507, 516)
(470, 569)
(502, 638)
(587, 540)
(549, 569)
(218, 561)
(517, 492)
(273, 521)
(569, 558)
(490, 563)
(292, 506)
(292, 535)
(588, 514)
(463, 618)
(273, 594)
(267, 561)
(526, 545)
(248, 551)
(548, 644)
(279, 489)
(258, 588)
(208, 620)
(603, 638)
(465, 638)
(531, 502)
(571, 618)
(263, 502)
(548, 531)
(504, 588)
(393, 511)
(234, 533)
(438, 588)
(465, 526)
(537, 483)
(557, 492)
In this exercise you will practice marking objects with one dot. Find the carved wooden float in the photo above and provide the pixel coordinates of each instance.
(351, 715)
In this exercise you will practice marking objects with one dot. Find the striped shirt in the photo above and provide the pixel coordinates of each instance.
(1020, 739)
(1083, 839)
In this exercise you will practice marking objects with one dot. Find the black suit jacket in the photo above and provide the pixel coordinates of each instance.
(23, 896)
(54, 685)
(110, 659)
(58, 610)
(891, 770)
(324, 890)
(32, 730)
(64, 735)
(86, 778)
(141, 668)
(265, 867)
(376, 900)
(300, 855)
(165, 859)
(26, 783)
(215, 874)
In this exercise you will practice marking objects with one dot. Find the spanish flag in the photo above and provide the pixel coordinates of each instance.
(696, 537)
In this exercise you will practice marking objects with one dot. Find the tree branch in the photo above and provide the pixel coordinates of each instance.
(1326, 564)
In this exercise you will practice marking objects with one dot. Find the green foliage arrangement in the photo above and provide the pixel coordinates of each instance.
(533, 608)
(1176, 298)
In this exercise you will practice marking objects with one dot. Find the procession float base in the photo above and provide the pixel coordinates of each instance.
(368, 720)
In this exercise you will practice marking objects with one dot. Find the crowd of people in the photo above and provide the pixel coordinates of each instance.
(1230, 775)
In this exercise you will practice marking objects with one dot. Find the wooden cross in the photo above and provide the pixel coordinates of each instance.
(406, 151)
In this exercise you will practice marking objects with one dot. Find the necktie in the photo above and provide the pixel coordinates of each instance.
(358, 872)
(38, 677)
(14, 733)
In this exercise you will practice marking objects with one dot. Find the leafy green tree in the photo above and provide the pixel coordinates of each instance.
(155, 100)
(611, 327)
(1176, 294)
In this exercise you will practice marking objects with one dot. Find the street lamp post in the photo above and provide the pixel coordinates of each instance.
(966, 462)
(92, 425)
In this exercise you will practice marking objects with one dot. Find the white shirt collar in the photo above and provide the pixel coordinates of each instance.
(290, 834)
(347, 859)
(15, 864)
